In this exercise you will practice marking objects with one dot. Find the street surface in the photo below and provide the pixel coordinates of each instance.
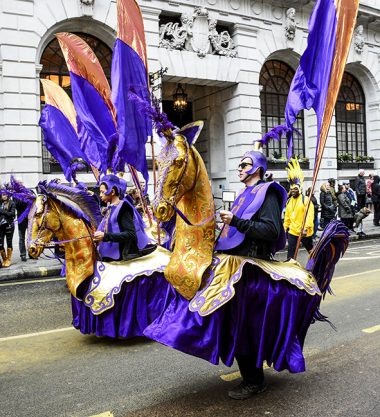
(49, 369)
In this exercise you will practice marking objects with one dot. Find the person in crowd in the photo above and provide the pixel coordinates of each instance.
(295, 210)
(316, 210)
(369, 202)
(21, 207)
(328, 208)
(361, 189)
(253, 228)
(332, 183)
(7, 227)
(353, 203)
(344, 206)
(375, 192)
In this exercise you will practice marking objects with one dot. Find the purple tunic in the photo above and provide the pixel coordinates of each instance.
(112, 249)
(247, 204)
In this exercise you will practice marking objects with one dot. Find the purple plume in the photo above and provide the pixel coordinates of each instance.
(152, 109)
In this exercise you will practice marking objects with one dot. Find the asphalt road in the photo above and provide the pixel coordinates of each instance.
(48, 369)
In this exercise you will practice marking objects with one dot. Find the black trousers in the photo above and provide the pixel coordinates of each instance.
(6, 232)
(248, 370)
(361, 200)
(376, 213)
(21, 239)
(307, 243)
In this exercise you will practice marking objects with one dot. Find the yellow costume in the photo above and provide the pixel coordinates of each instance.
(294, 213)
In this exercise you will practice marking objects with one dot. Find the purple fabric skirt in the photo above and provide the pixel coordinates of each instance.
(266, 319)
(136, 306)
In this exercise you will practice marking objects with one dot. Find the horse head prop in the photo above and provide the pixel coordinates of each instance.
(183, 188)
(71, 215)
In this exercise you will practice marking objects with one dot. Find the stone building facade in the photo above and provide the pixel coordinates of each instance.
(233, 58)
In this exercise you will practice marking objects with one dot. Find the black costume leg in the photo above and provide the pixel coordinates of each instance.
(292, 243)
(248, 370)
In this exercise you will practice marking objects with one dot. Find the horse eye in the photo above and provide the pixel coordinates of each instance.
(179, 162)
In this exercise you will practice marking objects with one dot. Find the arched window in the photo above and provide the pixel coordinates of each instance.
(54, 68)
(275, 80)
(350, 118)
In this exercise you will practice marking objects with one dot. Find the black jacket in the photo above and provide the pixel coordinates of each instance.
(261, 230)
(127, 237)
(7, 213)
(328, 208)
(360, 185)
(375, 187)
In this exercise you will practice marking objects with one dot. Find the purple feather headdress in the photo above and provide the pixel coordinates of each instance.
(18, 191)
(277, 133)
(162, 125)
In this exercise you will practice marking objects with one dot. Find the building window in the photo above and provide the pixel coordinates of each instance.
(275, 80)
(54, 68)
(350, 118)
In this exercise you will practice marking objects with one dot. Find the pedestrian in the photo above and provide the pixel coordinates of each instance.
(332, 183)
(368, 201)
(375, 191)
(360, 189)
(328, 208)
(353, 203)
(22, 210)
(295, 211)
(7, 227)
(259, 236)
(344, 206)
(316, 210)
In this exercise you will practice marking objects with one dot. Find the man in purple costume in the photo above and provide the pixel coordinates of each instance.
(120, 234)
(254, 229)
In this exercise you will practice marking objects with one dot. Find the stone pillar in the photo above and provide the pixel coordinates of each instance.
(242, 103)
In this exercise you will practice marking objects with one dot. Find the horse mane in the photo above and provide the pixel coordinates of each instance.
(76, 201)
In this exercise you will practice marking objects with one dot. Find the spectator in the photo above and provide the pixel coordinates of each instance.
(353, 203)
(358, 219)
(316, 210)
(360, 189)
(328, 208)
(344, 206)
(7, 227)
(368, 202)
(375, 190)
(332, 182)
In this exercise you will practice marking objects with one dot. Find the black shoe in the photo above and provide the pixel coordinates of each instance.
(23, 258)
(244, 390)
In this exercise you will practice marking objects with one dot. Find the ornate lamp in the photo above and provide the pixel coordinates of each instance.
(180, 99)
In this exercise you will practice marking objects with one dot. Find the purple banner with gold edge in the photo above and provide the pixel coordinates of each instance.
(60, 138)
(129, 75)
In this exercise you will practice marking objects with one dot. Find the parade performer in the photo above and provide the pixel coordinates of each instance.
(224, 306)
(121, 233)
(295, 211)
(253, 228)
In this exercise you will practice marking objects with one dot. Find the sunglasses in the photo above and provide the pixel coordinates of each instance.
(243, 165)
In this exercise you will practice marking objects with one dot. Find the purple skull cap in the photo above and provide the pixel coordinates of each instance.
(111, 180)
(259, 160)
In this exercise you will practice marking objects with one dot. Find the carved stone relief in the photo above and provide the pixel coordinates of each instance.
(235, 4)
(87, 7)
(256, 6)
(359, 39)
(290, 24)
(197, 33)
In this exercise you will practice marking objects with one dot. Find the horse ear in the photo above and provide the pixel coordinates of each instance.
(191, 131)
